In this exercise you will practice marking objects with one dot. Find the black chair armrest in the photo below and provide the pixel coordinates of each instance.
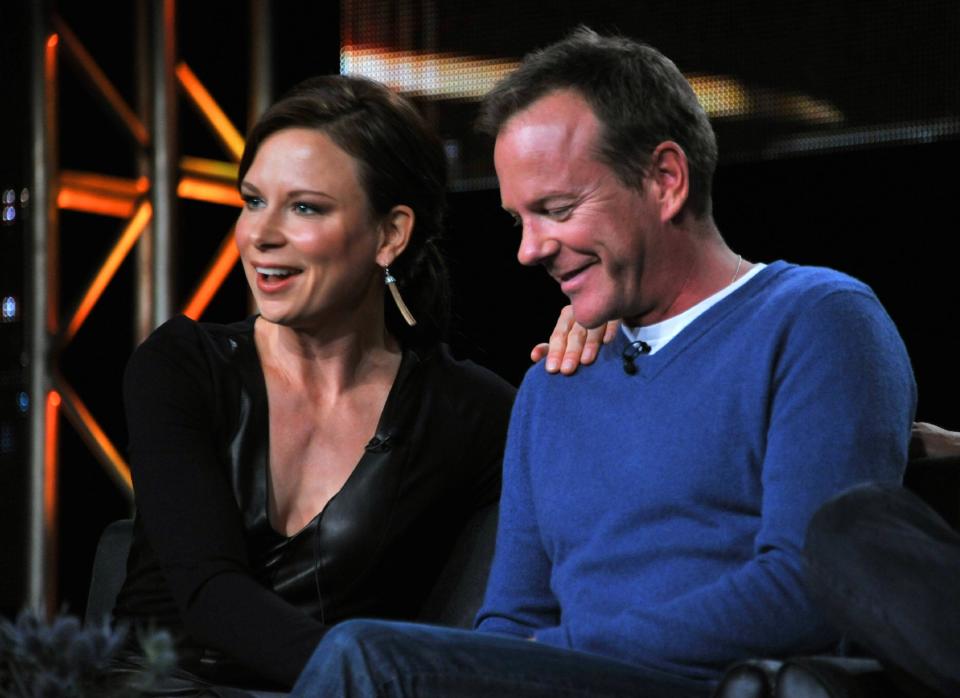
(751, 678)
(835, 677)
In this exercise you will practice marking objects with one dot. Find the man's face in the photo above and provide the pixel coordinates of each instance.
(589, 231)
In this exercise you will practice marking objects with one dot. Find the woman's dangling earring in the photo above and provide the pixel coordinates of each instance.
(395, 292)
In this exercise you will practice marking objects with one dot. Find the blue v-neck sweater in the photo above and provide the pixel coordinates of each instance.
(659, 518)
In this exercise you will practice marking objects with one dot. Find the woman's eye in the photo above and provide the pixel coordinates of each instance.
(305, 208)
(251, 201)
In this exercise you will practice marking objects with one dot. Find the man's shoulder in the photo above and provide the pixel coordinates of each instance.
(804, 285)
(562, 392)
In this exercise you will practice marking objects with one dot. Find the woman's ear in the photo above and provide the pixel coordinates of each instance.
(395, 230)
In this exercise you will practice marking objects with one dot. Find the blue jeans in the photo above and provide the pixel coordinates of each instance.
(886, 569)
(366, 658)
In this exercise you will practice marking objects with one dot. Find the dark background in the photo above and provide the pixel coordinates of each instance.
(877, 204)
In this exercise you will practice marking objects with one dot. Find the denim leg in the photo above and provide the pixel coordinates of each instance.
(885, 568)
(363, 659)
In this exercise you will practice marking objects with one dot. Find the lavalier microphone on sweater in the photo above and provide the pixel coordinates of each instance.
(631, 352)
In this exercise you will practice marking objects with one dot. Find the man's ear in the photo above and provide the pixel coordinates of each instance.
(670, 172)
(395, 230)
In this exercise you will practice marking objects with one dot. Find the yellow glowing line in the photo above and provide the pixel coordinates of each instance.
(457, 76)
(721, 96)
(794, 106)
(224, 262)
(50, 441)
(127, 238)
(205, 190)
(216, 169)
(211, 111)
(94, 202)
(95, 437)
(442, 75)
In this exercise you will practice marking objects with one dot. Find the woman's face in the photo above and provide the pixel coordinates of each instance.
(306, 235)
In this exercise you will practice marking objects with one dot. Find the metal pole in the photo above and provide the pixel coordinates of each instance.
(164, 157)
(143, 321)
(261, 69)
(261, 59)
(40, 589)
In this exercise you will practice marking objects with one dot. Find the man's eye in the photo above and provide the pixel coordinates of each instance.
(560, 213)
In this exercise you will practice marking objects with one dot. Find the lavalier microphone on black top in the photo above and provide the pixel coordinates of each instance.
(631, 352)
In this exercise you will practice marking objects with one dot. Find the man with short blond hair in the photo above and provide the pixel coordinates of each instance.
(654, 504)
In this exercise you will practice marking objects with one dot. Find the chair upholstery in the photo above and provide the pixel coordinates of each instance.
(109, 570)
(458, 593)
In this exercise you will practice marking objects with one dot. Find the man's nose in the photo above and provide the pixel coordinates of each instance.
(535, 245)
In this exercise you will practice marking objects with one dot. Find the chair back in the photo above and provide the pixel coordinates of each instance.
(109, 570)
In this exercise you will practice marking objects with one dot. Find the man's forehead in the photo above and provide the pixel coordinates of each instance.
(558, 125)
(559, 114)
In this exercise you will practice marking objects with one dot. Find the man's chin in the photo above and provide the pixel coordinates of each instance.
(591, 316)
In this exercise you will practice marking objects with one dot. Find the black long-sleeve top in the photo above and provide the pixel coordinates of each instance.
(241, 598)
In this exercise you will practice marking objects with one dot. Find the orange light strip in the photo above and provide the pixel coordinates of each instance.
(223, 128)
(50, 72)
(120, 250)
(86, 201)
(224, 262)
(101, 83)
(50, 444)
(106, 184)
(102, 194)
(205, 190)
(95, 438)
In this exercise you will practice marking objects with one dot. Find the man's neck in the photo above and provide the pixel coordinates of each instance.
(693, 263)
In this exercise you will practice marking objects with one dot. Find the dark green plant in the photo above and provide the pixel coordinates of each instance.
(64, 659)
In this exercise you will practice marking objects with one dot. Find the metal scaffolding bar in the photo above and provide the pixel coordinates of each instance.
(261, 60)
(143, 308)
(40, 589)
(148, 202)
(164, 165)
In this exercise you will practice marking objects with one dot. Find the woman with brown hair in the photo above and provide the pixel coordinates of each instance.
(317, 461)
